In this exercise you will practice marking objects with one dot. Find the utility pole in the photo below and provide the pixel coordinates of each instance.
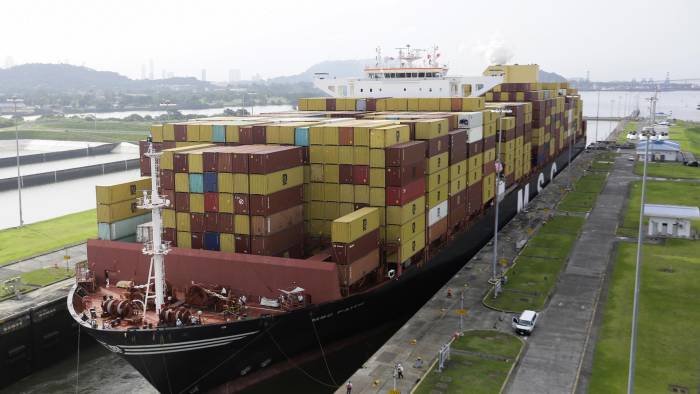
(499, 168)
(14, 100)
(597, 116)
(637, 274)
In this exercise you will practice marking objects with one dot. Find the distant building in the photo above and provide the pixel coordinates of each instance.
(204, 74)
(660, 150)
(234, 75)
(670, 220)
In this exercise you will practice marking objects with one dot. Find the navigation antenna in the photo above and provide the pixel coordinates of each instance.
(155, 248)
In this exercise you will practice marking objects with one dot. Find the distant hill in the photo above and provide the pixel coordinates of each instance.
(66, 78)
(551, 77)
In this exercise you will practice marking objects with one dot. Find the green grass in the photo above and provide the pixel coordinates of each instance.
(668, 344)
(629, 126)
(46, 276)
(79, 129)
(668, 170)
(472, 373)
(688, 135)
(658, 192)
(586, 190)
(532, 278)
(37, 238)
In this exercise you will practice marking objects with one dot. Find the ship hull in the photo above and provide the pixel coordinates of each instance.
(201, 358)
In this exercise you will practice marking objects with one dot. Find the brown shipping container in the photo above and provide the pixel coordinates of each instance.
(360, 175)
(182, 202)
(475, 148)
(488, 168)
(458, 146)
(345, 253)
(225, 222)
(197, 240)
(402, 195)
(275, 158)
(170, 234)
(167, 179)
(401, 176)
(241, 204)
(330, 104)
(259, 134)
(145, 166)
(240, 157)
(457, 211)
(224, 161)
(474, 197)
(268, 225)
(197, 222)
(170, 196)
(351, 273)
(437, 230)
(211, 221)
(345, 174)
(267, 205)
(180, 132)
(437, 145)
(180, 162)
(278, 242)
(489, 143)
(211, 202)
(241, 243)
(210, 160)
(245, 136)
(405, 153)
(346, 135)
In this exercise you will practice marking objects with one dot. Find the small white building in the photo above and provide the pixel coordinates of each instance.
(670, 220)
(660, 150)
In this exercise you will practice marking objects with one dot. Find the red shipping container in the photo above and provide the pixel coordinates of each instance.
(180, 132)
(241, 159)
(259, 134)
(210, 160)
(197, 240)
(437, 230)
(278, 242)
(401, 195)
(211, 202)
(197, 222)
(360, 175)
(180, 162)
(182, 202)
(274, 158)
(224, 162)
(275, 202)
(225, 221)
(405, 153)
(346, 135)
(401, 176)
(456, 104)
(345, 253)
(241, 203)
(241, 243)
(489, 168)
(211, 221)
(245, 135)
(370, 104)
(437, 146)
(145, 166)
(345, 173)
(170, 234)
(167, 179)
(330, 104)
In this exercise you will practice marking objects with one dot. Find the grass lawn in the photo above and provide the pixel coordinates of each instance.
(688, 135)
(658, 192)
(46, 276)
(668, 343)
(36, 238)
(533, 276)
(668, 170)
(479, 363)
(585, 192)
(80, 129)
(629, 126)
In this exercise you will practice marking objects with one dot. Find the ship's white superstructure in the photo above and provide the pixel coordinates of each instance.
(415, 73)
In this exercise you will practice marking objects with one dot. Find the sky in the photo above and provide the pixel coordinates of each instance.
(610, 39)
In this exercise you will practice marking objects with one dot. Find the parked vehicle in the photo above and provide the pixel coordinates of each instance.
(525, 323)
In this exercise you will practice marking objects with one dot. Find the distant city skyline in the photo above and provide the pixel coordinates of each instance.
(612, 40)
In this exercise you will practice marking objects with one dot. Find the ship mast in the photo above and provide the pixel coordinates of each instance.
(155, 248)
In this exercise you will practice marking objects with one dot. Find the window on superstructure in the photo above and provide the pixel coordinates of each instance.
(428, 75)
(361, 90)
(404, 89)
(437, 74)
(430, 90)
(401, 75)
(414, 75)
(421, 75)
(387, 75)
(370, 90)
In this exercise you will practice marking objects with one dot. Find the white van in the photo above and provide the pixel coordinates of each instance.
(525, 323)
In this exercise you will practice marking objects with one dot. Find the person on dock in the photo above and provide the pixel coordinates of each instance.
(348, 387)
(399, 370)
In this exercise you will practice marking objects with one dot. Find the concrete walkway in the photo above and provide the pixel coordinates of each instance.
(554, 359)
(77, 254)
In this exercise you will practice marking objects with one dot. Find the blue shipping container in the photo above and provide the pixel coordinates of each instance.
(218, 133)
(196, 183)
(211, 241)
(301, 136)
(211, 182)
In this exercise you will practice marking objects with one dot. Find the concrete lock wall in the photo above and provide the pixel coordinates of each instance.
(68, 174)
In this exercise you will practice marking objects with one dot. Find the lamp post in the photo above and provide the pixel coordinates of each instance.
(14, 100)
(499, 168)
(597, 116)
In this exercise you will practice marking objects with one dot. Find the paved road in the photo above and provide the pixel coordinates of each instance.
(554, 359)
(77, 253)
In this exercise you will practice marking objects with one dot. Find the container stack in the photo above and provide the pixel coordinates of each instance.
(457, 204)
(355, 244)
(117, 212)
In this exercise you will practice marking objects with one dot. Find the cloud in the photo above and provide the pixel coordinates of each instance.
(495, 51)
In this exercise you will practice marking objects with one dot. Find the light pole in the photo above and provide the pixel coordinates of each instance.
(14, 100)
(637, 271)
(597, 116)
(499, 168)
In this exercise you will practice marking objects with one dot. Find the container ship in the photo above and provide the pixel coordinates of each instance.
(262, 238)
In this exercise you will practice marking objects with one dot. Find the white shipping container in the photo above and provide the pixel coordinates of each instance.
(437, 213)
(121, 228)
(470, 119)
(475, 134)
(144, 232)
(361, 105)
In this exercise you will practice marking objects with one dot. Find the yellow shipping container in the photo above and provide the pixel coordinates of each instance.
(241, 224)
(360, 155)
(360, 136)
(346, 208)
(345, 154)
(225, 182)
(157, 133)
(437, 196)
(316, 172)
(472, 103)
(377, 177)
(197, 202)
(489, 155)
(205, 132)
(272, 134)
(400, 215)
(474, 162)
(412, 104)
(408, 249)
(361, 194)
(351, 227)
(330, 154)
(241, 183)
(428, 104)
(437, 179)
(383, 137)
(331, 210)
(316, 209)
(303, 104)
(330, 135)
(286, 135)
(431, 128)
(265, 184)
(437, 163)
(182, 182)
(457, 185)
(316, 154)
(192, 132)
(316, 190)
(377, 158)
(169, 220)
(166, 159)
(316, 227)
(347, 193)
(331, 173)
(488, 187)
(109, 194)
(377, 196)
(316, 135)
(168, 132)
(397, 233)
(232, 133)
(110, 213)
(474, 176)
(331, 192)
(458, 170)
(226, 202)
(195, 162)
(446, 104)
(184, 239)
(182, 220)
(227, 242)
